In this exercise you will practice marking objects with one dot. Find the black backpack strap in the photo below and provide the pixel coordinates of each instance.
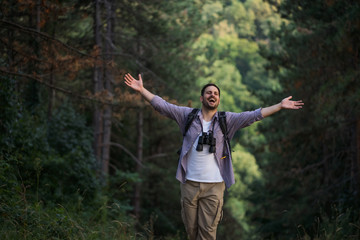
(190, 119)
(222, 122)
(223, 126)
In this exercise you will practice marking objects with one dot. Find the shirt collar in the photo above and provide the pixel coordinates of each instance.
(200, 115)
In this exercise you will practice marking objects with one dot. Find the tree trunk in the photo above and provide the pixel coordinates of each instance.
(109, 80)
(140, 127)
(357, 156)
(98, 85)
(38, 14)
(10, 49)
(51, 91)
(32, 90)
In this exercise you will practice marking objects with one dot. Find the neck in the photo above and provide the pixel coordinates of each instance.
(208, 114)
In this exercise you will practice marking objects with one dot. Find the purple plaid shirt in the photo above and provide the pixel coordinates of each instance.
(234, 122)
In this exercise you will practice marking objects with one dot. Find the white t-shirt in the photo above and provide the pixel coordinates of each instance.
(202, 166)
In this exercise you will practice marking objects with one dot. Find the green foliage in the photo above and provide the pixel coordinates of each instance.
(35, 221)
(48, 187)
(229, 55)
(71, 170)
(312, 165)
(211, 11)
(237, 203)
(336, 224)
(307, 160)
(247, 172)
(243, 20)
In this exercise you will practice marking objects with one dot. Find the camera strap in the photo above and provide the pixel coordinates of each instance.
(211, 129)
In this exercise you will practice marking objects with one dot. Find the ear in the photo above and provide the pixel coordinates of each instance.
(201, 98)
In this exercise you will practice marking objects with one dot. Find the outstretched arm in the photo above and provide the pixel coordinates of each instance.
(138, 86)
(286, 103)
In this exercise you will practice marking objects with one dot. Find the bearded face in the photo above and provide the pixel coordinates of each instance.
(211, 98)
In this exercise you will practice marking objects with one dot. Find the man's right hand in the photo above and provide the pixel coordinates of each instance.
(138, 86)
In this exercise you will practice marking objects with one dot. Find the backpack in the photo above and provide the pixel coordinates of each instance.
(222, 122)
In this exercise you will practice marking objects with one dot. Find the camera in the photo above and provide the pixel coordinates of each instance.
(207, 139)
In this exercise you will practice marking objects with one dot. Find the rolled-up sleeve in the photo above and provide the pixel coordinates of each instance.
(241, 120)
(172, 111)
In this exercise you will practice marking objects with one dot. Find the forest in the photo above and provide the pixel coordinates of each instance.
(83, 156)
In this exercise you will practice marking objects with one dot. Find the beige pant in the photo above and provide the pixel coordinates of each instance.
(201, 208)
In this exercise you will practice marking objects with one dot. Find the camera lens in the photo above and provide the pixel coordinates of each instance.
(205, 138)
(212, 148)
(199, 147)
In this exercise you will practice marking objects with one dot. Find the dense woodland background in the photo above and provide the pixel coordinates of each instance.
(84, 157)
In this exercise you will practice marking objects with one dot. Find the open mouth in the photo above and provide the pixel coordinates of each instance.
(212, 100)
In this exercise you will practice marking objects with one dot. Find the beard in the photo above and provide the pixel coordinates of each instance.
(210, 107)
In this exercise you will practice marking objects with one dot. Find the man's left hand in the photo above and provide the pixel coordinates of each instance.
(286, 103)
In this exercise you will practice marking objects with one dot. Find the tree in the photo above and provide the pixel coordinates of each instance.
(313, 171)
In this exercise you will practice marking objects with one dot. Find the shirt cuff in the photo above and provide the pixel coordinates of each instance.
(155, 101)
(258, 115)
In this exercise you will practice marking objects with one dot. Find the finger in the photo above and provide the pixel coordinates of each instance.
(127, 80)
(140, 78)
(128, 76)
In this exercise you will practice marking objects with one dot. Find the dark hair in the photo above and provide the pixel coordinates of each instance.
(208, 85)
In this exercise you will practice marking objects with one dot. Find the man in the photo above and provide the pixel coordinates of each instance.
(205, 170)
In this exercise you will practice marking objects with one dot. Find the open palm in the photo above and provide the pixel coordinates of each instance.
(137, 85)
(286, 103)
